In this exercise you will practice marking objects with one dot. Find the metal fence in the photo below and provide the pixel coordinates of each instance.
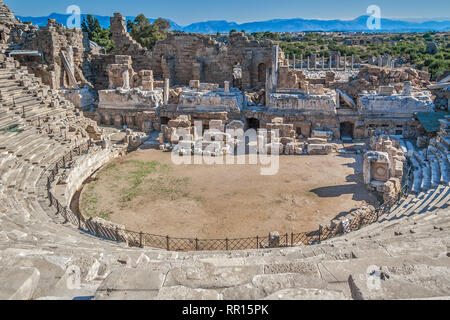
(140, 239)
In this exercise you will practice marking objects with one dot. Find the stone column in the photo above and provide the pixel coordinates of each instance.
(353, 62)
(166, 90)
(301, 62)
(308, 63)
(287, 58)
(294, 62)
(126, 79)
(269, 86)
(338, 61)
(315, 62)
(323, 62)
(330, 61)
(345, 62)
(226, 86)
(274, 69)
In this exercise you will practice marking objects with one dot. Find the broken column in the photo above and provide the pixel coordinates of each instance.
(226, 85)
(166, 90)
(194, 84)
(407, 88)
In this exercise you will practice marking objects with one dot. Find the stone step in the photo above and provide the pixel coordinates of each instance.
(444, 203)
(444, 193)
(434, 194)
(18, 283)
(400, 208)
(423, 197)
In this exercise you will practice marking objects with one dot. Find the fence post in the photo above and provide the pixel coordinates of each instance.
(292, 239)
(140, 239)
(226, 244)
(320, 233)
(79, 221)
(196, 244)
(287, 240)
(167, 243)
(257, 242)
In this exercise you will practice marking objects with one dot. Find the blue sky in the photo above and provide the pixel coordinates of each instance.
(187, 11)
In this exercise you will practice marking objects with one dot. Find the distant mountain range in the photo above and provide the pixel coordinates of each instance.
(279, 25)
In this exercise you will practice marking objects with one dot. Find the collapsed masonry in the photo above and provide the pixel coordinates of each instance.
(240, 80)
(349, 104)
(383, 167)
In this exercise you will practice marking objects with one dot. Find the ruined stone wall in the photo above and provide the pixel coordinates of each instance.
(370, 78)
(53, 41)
(184, 57)
(383, 166)
(289, 78)
(99, 65)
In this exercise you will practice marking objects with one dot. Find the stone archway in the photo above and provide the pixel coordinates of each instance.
(262, 73)
(164, 120)
(252, 123)
(347, 130)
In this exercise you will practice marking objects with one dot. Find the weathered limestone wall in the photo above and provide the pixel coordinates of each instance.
(399, 105)
(55, 41)
(99, 65)
(370, 78)
(289, 78)
(6, 15)
(82, 169)
(130, 99)
(383, 166)
(320, 103)
(83, 99)
(193, 100)
(184, 57)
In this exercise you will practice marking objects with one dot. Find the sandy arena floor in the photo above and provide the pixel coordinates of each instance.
(146, 192)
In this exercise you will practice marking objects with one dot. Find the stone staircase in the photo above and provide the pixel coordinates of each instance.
(407, 260)
(42, 256)
(430, 187)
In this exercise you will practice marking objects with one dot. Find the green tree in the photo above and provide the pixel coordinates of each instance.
(146, 33)
(96, 33)
(91, 26)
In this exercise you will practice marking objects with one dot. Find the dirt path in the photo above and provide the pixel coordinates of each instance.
(146, 192)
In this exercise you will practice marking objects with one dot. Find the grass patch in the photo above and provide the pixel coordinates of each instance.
(132, 179)
(90, 200)
(152, 180)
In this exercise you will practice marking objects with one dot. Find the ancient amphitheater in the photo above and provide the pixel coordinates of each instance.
(63, 107)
